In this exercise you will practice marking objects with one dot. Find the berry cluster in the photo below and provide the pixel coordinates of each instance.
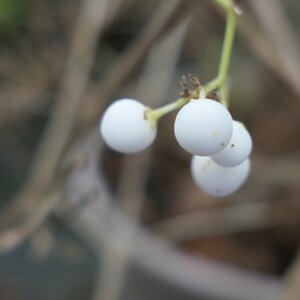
(203, 127)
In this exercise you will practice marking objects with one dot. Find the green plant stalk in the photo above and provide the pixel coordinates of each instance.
(226, 4)
(224, 93)
(158, 113)
(218, 82)
(154, 114)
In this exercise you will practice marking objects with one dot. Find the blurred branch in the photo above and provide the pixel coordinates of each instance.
(168, 14)
(279, 31)
(131, 188)
(154, 83)
(274, 43)
(257, 210)
(259, 44)
(218, 221)
(49, 153)
(88, 25)
(102, 226)
(278, 59)
(27, 94)
(15, 236)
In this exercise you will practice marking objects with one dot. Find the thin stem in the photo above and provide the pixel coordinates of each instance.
(224, 93)
(220, 80)
(226, 4)
(213, 85)
(153, 115)
(158, 113)
(227, 46)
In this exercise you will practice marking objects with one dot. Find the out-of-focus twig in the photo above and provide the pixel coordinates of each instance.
(273, 47)
(164, 56)
(282, 37)
(88, 25)
(218, 221)
(246, 215)
(258, 43)
(27, 94)
(264, 50)
(16, 235)
(89, 22)
(153, 86)
(168, 12)
(152, 257)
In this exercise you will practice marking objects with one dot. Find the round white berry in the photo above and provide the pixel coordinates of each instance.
(124, 127)
(203, 127)
(238, 149)
(215, 180)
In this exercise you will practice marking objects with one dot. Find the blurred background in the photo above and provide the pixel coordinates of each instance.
(63, 62)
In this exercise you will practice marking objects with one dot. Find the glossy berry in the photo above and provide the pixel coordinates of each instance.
(238, 149)
(215, 180)
(203, 127)
(124, 127)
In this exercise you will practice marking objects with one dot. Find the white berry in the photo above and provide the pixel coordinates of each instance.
(203, 127)
(215, 180)
(238, 149)
(124, 127)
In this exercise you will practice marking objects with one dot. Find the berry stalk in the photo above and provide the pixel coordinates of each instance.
(226, 4)
(153, 115)
(220, 80)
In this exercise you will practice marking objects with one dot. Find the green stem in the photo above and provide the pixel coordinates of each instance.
(224, 93)
(213, 85)
(227, 46)
(220, 80)
(154, 114)
(158, 113)
(226, 4)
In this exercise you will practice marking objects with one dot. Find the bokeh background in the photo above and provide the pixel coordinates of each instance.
(65, 61)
